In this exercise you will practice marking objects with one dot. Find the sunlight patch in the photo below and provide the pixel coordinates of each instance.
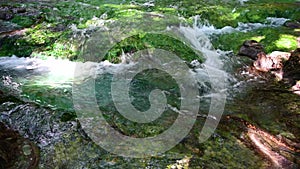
(286, 42)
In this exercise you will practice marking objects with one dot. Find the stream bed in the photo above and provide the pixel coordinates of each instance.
(259, 124)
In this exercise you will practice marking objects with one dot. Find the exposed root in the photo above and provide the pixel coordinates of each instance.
(279, 151)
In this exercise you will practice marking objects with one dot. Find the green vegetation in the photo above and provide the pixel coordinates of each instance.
(43, 38)
(281, 38)
(148, 41)
(62, 28)
(23, 21)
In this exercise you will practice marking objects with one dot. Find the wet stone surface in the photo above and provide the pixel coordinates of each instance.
(16, 151)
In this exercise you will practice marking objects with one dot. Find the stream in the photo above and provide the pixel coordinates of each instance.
(258, 128)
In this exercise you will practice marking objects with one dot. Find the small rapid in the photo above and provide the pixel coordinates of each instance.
(37, 99)
(209, 29)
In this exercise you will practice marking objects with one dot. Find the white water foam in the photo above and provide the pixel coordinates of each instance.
(200, 41)
(242, 27)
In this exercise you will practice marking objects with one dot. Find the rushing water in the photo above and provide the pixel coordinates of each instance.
(242, 27)
(37, 102)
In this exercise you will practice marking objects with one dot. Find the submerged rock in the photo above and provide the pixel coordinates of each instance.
(251, 48)
(277, 150)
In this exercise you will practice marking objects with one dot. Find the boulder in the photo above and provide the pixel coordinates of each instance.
(293, 25)
(263, 62)
(16, 151)
(296, 88)
(251, 48)
(291, 67)
(19, 10)
(271, 62)
(6, 26)
(6, 14)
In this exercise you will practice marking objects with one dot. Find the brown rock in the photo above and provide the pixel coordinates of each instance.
(296, 88)
(294, 25)
(263, 62)
(271, 62)
(291, 67)
(280, 56)
(16, 151)
(251, 48)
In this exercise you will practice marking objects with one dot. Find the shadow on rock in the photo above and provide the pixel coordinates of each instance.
(16, 151)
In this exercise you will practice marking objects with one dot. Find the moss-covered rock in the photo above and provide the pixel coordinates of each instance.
(81, 12)
(23, 21)
(154, 41)
(281, 38)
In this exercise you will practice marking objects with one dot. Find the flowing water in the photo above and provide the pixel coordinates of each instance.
(37, 102)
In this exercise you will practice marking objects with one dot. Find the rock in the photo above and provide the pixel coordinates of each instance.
(19, 10)
(16, 151)
(251, 48)
(59, 28)
(280, 56)
(272, 61)
(296, 88)
(6, 26)
(291, 68)
(263, 62)
(291, 24)
(6, 14)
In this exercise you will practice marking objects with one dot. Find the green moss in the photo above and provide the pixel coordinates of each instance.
(81, 12)
(148, 41)
(61, 48)
(223, 149)
(24, 21)
(44, 93)
(10, 47)
(40, 36)
(286, 42)
(74, 151)
(41, 40)
(281, 38)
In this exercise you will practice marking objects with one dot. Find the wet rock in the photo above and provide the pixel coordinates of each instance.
(251, 48)
(16, 151)
(6, 14)
(7, 27)
(284, 65)
(291, 24)
(59, 28)
(19, 10)
(291, 67)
